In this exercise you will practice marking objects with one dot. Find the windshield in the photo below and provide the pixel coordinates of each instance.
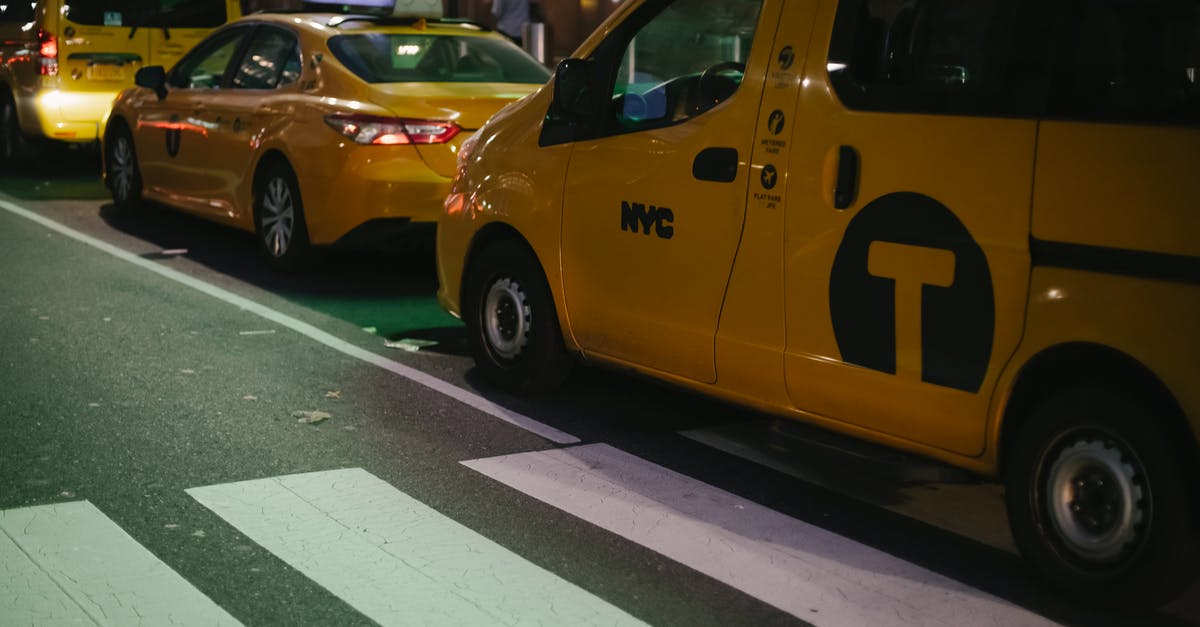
(401, 58)
(157, 13)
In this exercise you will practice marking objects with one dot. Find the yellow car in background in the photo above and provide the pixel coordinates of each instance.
(312, 129)
(62, 63)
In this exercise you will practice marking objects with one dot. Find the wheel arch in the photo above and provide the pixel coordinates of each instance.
(268, 158)
(1087, 364)
(490, 234)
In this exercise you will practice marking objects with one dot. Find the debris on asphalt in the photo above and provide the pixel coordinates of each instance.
(311, 417)
(333, 394)
(249, 397)
(173, 251)
(187, 371)
(371, 330)
(199, 533)
(409, 344)
(259, 332)
(93, 404)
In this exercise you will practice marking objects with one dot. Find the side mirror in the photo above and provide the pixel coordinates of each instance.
(153, 77)
(573, 87)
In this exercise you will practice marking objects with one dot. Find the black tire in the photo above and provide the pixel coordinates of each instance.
(1101, 500)
(279, 222)
(14, 146)
(122, 173)
(512, 326)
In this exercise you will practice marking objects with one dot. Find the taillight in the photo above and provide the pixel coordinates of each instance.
(385, 131)
(48, 54)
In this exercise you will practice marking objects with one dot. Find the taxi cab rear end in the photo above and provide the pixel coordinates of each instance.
(961, 228)
(313, 129)
(62, 63)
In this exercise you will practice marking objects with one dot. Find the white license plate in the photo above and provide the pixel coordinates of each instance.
(104, 72)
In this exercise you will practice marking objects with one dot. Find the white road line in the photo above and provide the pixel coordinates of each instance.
(307, 330)
(395, 559)
(799, 568)
(68, 563)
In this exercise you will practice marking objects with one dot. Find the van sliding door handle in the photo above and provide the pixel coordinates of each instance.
(847, 178)
(716, 164)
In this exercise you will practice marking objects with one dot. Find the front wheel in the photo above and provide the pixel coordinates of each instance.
(512, 326)
(121, 168)
(1101, 499)
(279, 219)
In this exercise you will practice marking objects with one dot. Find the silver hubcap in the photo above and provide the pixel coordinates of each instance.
(278, 214)
(122, 168)
(1095, 499)
(506, 318)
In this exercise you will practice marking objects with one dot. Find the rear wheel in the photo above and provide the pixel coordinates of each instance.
(122, 174)
(1101, 500)
(14, 146)
(512, 325)
(279, 219)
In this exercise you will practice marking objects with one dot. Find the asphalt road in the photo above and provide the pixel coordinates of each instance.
(153, 384)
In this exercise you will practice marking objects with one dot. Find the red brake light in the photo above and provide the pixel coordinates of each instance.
(48, 52)
(385, 131)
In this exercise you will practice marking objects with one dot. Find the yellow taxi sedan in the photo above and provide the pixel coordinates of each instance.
(312, 129)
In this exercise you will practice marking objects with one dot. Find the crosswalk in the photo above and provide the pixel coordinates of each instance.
(397, 561)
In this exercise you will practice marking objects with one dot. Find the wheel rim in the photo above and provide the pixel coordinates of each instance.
(278, 217)
(1097, 498)
(507, 319)
(121, 168)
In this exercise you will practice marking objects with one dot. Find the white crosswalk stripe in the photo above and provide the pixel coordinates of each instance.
(804, 570)
(69, 564)
(395, 559)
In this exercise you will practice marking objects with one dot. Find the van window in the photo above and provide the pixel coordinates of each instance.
(263, 66)
(941, 56)
(20, 12)
(685, 60)
(155, 13)
(1129, 61)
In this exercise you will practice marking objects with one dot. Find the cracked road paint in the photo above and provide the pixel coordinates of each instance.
(69, 564)
(804, 570)
(394, 559)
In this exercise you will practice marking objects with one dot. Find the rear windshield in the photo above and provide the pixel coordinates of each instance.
(154, 13)
(400, 58)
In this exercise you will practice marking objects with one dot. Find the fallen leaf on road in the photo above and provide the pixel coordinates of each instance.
(249, 397)
(409, 344)
(310, 417)
(334, 394)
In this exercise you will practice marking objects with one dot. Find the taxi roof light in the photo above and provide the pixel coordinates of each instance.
(387, 131)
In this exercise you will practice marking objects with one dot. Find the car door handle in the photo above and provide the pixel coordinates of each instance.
(846, 186)
(716, 164)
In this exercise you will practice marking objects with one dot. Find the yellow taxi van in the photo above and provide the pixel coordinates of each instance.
(962, 228)
(62, 62)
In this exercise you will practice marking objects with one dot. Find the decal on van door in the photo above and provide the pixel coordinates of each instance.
(910, 293)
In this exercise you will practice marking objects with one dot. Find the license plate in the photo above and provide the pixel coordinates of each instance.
(104, 72)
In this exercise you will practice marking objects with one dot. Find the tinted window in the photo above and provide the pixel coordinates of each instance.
(683, 61)
(205, 66)
(263, 65)
(169, 13)
(1129, 60)
(20, 12)
(941, 56)
(401, 58)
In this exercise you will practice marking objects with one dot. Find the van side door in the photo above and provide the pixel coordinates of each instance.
(907, 254)
(654, 197)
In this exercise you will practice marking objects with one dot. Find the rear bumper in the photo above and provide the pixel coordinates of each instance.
(371, 185)
(68, 116)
